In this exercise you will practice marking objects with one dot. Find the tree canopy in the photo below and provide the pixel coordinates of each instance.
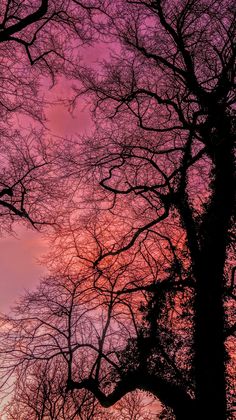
(142, 291)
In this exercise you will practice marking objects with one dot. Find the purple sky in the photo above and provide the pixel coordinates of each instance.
(19, 267)
(18, 255)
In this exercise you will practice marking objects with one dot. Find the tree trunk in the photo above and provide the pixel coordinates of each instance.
(186, 412)
(210, 351)
(209, 333)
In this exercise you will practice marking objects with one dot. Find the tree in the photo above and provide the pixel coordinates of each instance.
(37, 348)
(40, 393)
(165, 106)
(35, 47)
(157, 230)
(41, 30)
(133, 407)
(54, 331)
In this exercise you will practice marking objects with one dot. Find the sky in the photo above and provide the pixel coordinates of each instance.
(20, 254)
(20, 268)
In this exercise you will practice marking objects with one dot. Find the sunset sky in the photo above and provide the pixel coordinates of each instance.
(19, 268)
(20, 253)
(117, 200)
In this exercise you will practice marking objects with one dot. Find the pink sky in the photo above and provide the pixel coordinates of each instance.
(18, 256)
(19, 267)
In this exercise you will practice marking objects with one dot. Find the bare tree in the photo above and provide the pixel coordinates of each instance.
(40, 393)
(134, 407)
(29, 181)
(155, 256)
(58, 330)
(164, 105)
(42, 29)
(104, 327)
(37, 44)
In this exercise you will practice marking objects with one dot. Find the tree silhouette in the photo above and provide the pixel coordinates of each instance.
(35, 48)
(149, 248)
(164, 107)
(54, 332)
(41, 29)
(40, 393)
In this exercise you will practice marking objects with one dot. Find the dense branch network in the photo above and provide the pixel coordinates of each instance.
(149, 296)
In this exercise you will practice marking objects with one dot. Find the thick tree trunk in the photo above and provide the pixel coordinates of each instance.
(210, 352)
(209, 334)
(186, 412)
